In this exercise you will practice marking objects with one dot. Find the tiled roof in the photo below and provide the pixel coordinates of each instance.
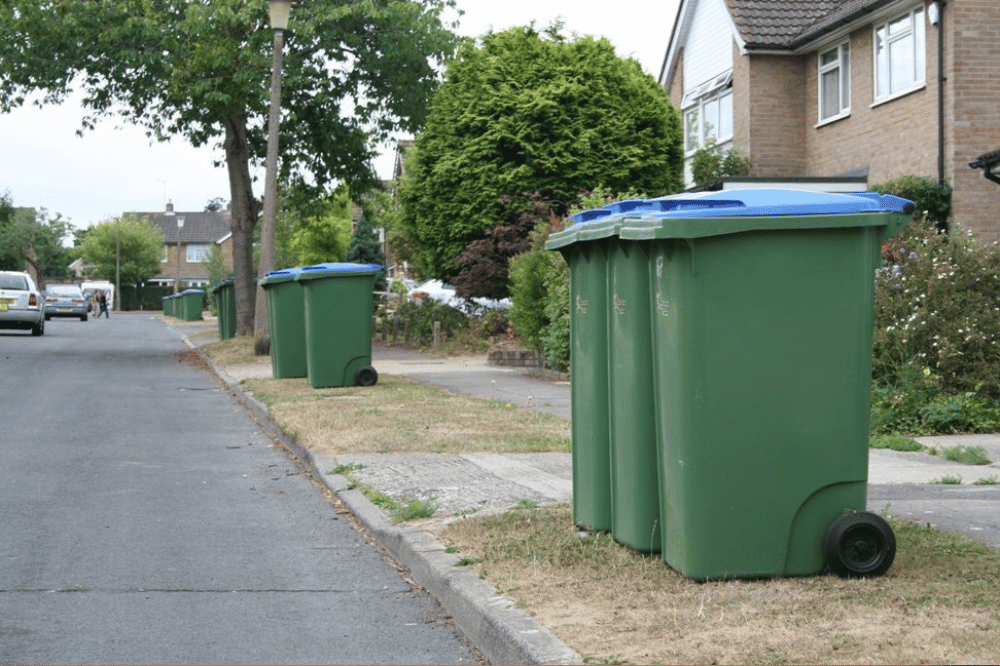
(784, 24)
(199, 227)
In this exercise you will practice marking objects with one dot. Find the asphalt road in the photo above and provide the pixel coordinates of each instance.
(147, 519)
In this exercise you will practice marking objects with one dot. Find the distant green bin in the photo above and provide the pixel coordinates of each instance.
(166, 305)
(286, 323)
(338, 300)
(190, 303)
(762, 314)
(225, 305)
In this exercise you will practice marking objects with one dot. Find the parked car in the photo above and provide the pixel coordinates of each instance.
(445, 293)
(21, 304)
(65, 300)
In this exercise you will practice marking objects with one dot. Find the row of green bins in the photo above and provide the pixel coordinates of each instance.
(338, 300)
(614, 463)
(758, 332)
(189, 304)
(225, 305)
(286, 323)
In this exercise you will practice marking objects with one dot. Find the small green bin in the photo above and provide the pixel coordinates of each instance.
(190, 304)
(166, 305)
(338, 300)
(286, 323)
(761, 307)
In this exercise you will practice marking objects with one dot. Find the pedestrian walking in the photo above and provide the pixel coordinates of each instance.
(104, 306)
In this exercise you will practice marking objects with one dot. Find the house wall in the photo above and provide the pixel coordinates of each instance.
(708, 52)
(892, 139)
(775, 114)
(972, 29)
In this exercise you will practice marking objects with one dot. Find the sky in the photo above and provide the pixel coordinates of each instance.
(116, 168)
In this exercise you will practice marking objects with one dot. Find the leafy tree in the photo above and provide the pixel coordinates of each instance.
(366, 248)
(320, 231)
(128, 244)
(354, 73)
(524, 113)
(29, 237)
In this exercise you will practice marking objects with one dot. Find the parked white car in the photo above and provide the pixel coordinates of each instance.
(445, 293)
(21, 304)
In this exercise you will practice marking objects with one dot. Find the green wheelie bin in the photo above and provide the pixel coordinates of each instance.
(761, 310)
(286, 323)
(338, 300)
(586, 244)
(225, 305)
(190, 303)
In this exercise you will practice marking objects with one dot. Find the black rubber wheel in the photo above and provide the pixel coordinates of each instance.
(859, 544)
(366, 376)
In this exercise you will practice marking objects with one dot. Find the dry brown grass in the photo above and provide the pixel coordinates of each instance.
(401, 415)
(234, 351)
(938, 604)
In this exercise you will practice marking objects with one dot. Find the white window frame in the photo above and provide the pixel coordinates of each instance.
(717, 93)
(165, 257)
(840, 67)
(197, 253)
(899, 33)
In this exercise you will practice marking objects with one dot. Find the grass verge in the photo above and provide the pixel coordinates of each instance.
(939, 603)
(400, 415)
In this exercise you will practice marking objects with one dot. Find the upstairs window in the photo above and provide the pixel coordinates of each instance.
(708, 114)
(900, 54)
(835, 83)
(197, 253)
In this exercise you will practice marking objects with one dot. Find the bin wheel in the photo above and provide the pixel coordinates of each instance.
(859, 544)
(366, 376)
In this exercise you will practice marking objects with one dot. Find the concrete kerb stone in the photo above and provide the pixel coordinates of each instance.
(505, 634)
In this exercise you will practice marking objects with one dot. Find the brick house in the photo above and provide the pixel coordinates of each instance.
(200, 231)
(845, 88)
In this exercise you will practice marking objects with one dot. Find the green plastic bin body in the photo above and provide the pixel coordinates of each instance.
(166, 305)
(225, 304)
(190, 302)
(591, 454)
(761, 338)
(338, 322)
(635, 506)
(286, 323)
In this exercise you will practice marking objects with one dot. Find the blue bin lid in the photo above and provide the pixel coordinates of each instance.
(283, 275)
(706, 214)
(193, 291)
(337, 268)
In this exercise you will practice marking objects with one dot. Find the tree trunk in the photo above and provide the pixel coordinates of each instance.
(244, 211)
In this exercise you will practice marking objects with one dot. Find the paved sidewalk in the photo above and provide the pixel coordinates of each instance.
(901, 484)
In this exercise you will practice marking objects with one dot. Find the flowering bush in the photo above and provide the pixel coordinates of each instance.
(937, 323)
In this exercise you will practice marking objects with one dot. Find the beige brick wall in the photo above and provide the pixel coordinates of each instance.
(972, 28)
(775, 107)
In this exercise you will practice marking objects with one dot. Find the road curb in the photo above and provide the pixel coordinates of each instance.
(504, 634)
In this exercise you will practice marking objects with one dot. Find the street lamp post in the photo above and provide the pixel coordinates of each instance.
(180, 225)
(279, 13)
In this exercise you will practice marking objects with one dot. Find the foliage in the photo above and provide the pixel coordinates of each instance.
(710, 164)
(366, 248)
(320, 230)
(418, 318)
(354, 73)
(28, 236)
(932, 199)
(486, 261)
(133, 245)
(936, 361)
(522, 113)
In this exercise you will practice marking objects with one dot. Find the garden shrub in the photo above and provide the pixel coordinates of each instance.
(936, 362)
(418, 318)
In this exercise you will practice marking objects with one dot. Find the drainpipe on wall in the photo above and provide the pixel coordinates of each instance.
(936, 16)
